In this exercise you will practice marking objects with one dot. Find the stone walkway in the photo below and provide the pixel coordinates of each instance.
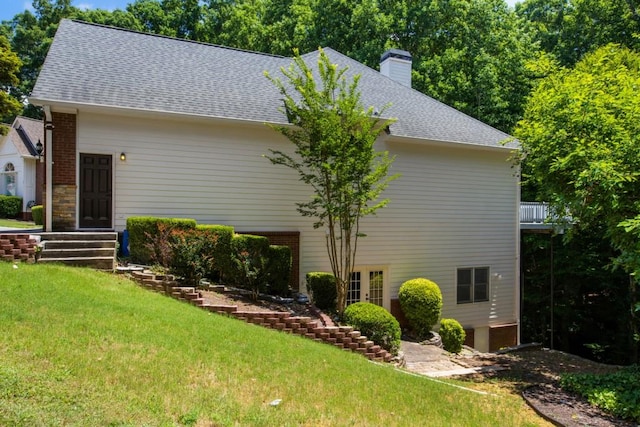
(434, 362)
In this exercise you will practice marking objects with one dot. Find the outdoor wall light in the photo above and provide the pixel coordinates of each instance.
(123, 156)
(39, 149)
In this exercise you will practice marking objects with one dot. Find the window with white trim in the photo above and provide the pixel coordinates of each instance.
(472, 285)
(8, 180)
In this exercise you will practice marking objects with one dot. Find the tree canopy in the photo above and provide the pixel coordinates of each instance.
(581, 136)
(9, 69)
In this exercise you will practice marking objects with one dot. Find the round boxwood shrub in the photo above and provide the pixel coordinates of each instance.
(376, 323)
(452, 335)
(421, 303)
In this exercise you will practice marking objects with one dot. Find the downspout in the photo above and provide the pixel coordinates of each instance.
(48, 155)
(519, 280)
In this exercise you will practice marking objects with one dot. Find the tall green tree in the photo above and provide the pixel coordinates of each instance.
(581, 138)
(334, 138)
(9, 68)
(471, 55)
(571, 28)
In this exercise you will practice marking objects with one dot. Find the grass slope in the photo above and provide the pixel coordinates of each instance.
(80, 347)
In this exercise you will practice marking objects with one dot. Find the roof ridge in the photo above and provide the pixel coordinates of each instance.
(27, 118)
(128, 30)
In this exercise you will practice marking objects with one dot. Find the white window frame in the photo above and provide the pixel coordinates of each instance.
(8, 170)
(473, 285)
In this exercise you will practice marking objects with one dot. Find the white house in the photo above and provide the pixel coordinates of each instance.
(20, 170)
(139, 124)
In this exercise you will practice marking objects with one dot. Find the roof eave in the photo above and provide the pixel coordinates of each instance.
(510, 144)
(74, 107)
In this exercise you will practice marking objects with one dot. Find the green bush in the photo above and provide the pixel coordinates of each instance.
(376, 323)
(279, 270)
(421, 303)
(10, 206)
(452, 335)
(249, 255)
(218, 249)
(148, 238)
(37, 213)
(617, 393)
(192, 254)
(322, 287)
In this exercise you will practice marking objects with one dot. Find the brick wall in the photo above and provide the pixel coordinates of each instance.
(396, 311)
(64, 148)
(469, 338)
(63, 173)
(502, 336)
(286, 238)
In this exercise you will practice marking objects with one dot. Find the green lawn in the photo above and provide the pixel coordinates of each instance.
(17, 224)
(80, 347)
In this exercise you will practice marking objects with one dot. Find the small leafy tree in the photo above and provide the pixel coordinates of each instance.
(334, 137)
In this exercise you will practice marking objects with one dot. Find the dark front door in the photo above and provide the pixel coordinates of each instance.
(95, 191)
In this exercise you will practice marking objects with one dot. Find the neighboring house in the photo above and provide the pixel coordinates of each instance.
(140, 124)
(21, 174)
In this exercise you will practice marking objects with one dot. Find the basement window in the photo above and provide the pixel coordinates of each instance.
(472, 285)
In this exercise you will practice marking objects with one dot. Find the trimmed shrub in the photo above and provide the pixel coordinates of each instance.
(322, 287)
(376, 323)
(279, 270)
(148, 238)
(37, 213)
(452, 335)
(10, 206)
(249, 255)
(192, 254)
(421, 303)
(219, 250)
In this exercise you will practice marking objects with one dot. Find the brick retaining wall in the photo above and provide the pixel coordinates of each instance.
(17, 247)
(343, 337)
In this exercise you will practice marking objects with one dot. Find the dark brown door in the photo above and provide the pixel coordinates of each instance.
(95, 191)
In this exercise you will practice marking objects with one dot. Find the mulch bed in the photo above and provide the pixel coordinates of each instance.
(535, 373)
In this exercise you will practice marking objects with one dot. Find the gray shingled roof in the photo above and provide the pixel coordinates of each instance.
(110, 67)
(33, 130)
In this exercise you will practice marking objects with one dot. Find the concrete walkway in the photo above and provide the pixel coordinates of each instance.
(434, 362)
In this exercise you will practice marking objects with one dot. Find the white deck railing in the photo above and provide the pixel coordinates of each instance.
(533, 212)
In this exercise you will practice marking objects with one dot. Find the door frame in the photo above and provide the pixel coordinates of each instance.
(113, 155)
(365, 271)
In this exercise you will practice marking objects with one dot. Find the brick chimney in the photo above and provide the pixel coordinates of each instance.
(396, 64)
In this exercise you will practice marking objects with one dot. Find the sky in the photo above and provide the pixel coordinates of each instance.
(9, 8)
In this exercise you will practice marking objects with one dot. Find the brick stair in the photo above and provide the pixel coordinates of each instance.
(17, 247)
(343, 337)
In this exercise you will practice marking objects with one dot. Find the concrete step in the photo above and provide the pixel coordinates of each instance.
(77, 253)
(87, 249)
(77, 244)
(99, 263)
(79, 236)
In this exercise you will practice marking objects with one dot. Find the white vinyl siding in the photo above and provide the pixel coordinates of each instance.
(452, 206)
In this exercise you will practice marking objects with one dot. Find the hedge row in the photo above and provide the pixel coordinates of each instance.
(10, 206)
(210, 251)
